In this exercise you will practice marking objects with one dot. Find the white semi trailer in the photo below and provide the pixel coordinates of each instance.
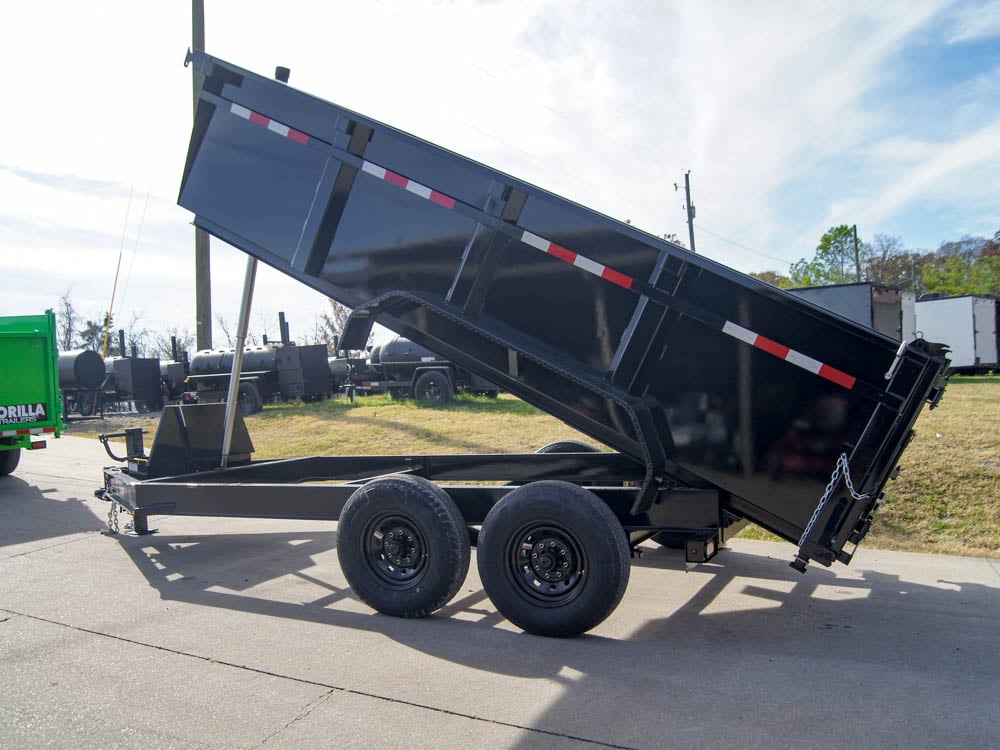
(968, 325)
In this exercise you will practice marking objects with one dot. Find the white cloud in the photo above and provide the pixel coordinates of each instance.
(971, 21)
(963, 169)
(607, 105)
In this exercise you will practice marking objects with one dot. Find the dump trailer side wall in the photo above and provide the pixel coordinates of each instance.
(30, 404)
(702, 374)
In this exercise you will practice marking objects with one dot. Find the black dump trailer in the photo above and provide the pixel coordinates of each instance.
(405, 369)
(724, 399)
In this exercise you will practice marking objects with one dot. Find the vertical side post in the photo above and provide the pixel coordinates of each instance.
(237, 370)
(202, 245)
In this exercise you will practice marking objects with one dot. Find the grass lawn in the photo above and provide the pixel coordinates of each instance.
(945, 499)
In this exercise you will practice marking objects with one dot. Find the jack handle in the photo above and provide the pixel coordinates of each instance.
(133, 443)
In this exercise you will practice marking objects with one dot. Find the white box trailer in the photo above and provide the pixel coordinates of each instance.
(968, 325)
(887, 309)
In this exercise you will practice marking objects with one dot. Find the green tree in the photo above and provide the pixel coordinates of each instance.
(773, 278)
(91, 336)
(957, 275)
(838, 260)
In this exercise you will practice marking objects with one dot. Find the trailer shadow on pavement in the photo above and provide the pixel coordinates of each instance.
(31, 516)
(742, 605)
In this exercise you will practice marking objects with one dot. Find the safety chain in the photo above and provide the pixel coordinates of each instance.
(113, 519)
(842, 468)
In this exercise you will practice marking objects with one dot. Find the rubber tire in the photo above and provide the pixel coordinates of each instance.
(9, 460)
(594, 529)
(569, 446)
(428, 509)
(249, 399)
(433, 388)
(85, 403)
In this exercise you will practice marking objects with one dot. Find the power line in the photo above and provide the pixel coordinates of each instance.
(703, 228)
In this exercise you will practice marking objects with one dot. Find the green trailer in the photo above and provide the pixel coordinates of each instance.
(30, 404)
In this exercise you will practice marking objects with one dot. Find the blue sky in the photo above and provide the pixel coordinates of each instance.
(791, 116)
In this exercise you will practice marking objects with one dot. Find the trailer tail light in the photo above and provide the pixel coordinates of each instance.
(38, 446)
(700, 550)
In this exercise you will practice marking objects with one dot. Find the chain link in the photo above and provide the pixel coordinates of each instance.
(843, 467)
(113, 519)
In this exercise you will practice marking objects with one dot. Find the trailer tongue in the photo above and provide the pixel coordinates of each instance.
(726, 399)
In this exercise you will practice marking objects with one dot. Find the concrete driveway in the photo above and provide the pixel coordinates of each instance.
(231, 633)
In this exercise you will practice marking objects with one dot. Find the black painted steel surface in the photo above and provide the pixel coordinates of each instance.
(705, 376)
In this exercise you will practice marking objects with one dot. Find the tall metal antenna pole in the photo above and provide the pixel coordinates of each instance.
(690, 207)
(202, 250)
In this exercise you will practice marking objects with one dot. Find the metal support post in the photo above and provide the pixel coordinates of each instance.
(234, 376)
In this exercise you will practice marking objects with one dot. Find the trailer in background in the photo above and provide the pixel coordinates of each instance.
(405, 369)
(30, 403)
(887, 309)
(133, 382)
(969, 325)
(82, 374)
(273, 371)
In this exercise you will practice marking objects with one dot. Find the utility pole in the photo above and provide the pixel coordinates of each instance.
(857, 256)
(202, 257)
(689, 206)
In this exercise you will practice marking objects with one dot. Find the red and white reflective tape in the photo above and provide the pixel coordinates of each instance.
(273, 125)
(588, 265)
(789, 355)
(29, 431)
(407, 184)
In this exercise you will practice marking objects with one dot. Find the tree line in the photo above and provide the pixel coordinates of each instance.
(970, 265)
(76, 330)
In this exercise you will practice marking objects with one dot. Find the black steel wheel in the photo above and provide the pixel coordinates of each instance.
(403, 546)
(248, 398)
(553, 558)
(9, 460)
(433, 387)
(85, 401)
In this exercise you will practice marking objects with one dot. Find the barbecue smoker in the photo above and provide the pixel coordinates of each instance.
(404, 369)
(280, 370)
(725, 400)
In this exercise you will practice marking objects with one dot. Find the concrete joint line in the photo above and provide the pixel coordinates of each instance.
(329, 688)
(302, 714)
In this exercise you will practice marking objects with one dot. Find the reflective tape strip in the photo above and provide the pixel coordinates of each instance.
(407, 184)
(789, 355)
(28, 431)
(580, 261)
(273, 125)
(539, 243)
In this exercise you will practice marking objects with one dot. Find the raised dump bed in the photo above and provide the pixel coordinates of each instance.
(725, 399)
